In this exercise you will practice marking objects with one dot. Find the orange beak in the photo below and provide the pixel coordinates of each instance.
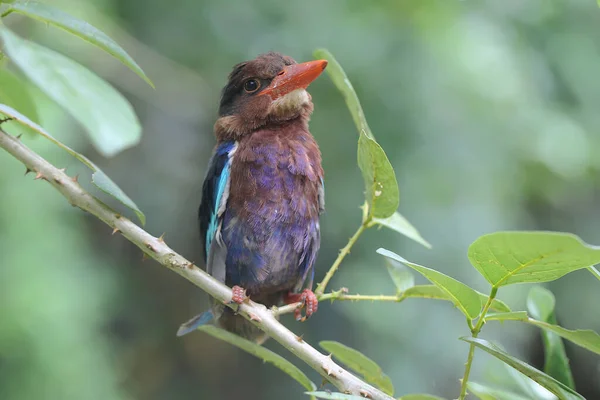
(292, 77)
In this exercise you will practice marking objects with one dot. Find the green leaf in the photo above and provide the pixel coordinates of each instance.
(504, 316)
(487, 393)
(557, 388)
(380, 180)
(341, 81)
(342, 396)
(104, 183)
(540, 303)
(379, 176)
(401, 276)
(258, 351)
(105, 113)
(434, 292)
(15, 93)
(585, 338)
(398, 223)
(528, 387)
(334, 396)
(466, 299)
(53, 16)
(360, 363)
(504, 258)
(99, 178)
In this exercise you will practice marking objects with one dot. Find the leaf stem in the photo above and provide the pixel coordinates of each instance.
(474, 333)
(343, 253)
(486, 308)
(6, 13)
(594, 272)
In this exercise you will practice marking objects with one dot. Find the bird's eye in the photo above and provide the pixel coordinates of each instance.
(251, 85)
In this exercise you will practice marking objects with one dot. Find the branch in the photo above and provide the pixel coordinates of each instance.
(156, 248)
(342, 294)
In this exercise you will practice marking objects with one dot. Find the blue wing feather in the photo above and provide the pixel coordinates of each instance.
(218, 198)
(214, 197)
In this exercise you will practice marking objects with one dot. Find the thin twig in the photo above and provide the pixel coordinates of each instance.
(341, 295)
(474, 333)
(343, 253)
(361, 297)
(158, 249)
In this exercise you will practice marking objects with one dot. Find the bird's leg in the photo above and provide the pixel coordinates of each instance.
(308, 299)
(238, 295)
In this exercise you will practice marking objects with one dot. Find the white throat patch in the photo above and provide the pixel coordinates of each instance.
(289, 103)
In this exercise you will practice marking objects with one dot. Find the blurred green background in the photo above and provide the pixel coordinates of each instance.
(487, 109)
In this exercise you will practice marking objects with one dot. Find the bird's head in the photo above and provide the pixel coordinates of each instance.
(270, 89)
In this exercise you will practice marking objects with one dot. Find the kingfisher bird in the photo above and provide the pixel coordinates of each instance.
(263, 193)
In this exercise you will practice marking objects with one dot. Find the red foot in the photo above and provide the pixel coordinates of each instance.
(308, 299)
(239, 294)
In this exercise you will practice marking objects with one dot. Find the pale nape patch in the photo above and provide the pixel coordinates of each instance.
(289, 104)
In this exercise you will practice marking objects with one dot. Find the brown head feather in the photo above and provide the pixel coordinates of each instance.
(243, 111)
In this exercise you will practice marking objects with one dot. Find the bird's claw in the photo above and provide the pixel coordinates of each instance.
(238, 295)
(307, 299)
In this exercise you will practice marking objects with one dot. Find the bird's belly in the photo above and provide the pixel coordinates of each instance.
(271, 222)
(272, 231)
(266, 253)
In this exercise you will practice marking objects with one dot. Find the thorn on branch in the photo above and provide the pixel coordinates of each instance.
(75, 178)
(19, 136)
(254, 317)
(365, 394)
(144, 257)
(300, 338)
(150, 247)
(116, 230)
(27, 170)
(328, 369)
(39, 175)
(162, 238)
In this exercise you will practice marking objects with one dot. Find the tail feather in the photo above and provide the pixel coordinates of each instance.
(195, 323)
